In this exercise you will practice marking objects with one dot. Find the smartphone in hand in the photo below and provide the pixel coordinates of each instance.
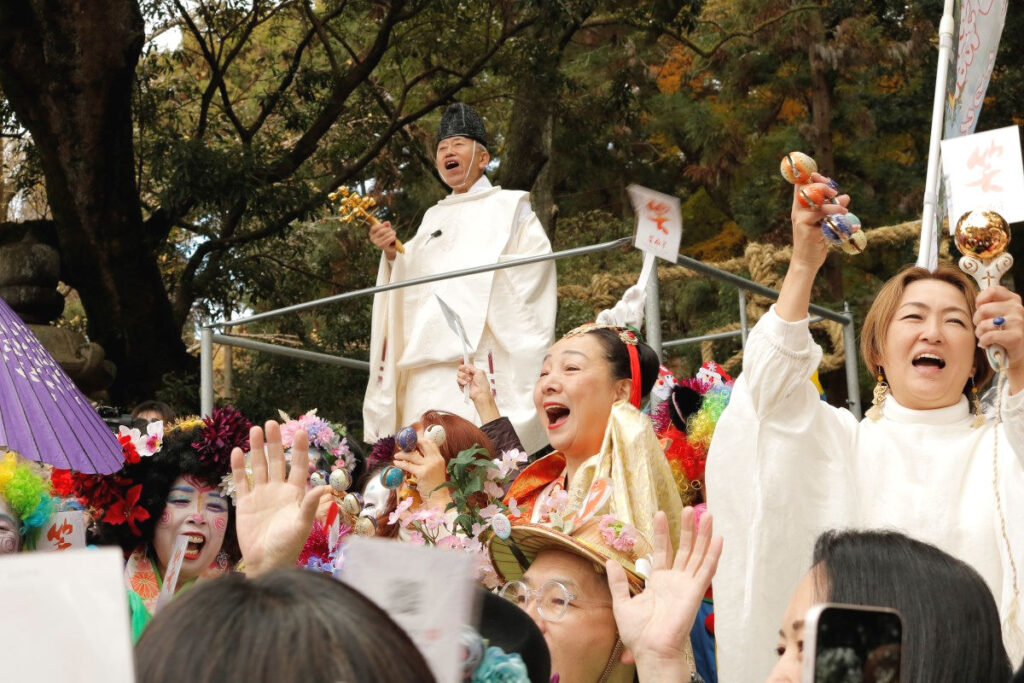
(852, 644)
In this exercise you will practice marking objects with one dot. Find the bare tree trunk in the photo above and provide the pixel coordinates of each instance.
(67, 69)
(824, 155)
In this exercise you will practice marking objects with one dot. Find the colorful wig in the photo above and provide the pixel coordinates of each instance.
(28, 495)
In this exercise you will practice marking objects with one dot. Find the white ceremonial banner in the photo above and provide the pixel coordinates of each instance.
(427, 591)
(64, 531)
(979, 28)
(984, 171)
(65, 617)
(659, 224)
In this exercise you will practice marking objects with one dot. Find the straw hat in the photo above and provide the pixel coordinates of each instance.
(589, 541)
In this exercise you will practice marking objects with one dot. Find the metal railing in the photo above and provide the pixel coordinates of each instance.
(208, 337)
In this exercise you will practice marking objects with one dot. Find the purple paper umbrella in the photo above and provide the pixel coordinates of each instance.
(43, 415)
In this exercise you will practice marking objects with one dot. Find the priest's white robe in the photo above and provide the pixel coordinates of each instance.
(784, 466)
(508, 314)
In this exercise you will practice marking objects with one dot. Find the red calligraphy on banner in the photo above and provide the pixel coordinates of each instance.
(658, 214)
(982, 161)
(56, 534)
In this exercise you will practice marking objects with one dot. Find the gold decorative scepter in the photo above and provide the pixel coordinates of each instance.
(354, 206)
(982, 238)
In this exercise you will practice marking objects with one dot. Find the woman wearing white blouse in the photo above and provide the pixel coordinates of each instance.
(784, 465)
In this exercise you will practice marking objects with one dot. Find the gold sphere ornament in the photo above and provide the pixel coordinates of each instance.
(982, 234)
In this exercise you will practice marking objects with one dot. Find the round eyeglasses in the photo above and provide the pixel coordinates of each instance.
(553, 598)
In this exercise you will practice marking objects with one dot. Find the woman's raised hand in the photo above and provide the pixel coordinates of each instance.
(479, 391)
(809, 247)
(274, 514)
(426, 463)
(994, 303)
(383, 237)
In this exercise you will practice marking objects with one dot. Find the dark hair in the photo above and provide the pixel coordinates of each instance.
(287, 625)
(165, 411)
(616, 353)
(951, 628)
(157, 473)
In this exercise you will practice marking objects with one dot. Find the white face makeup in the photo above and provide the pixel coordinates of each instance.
(375, 498)
(198, 510)
(10, 529)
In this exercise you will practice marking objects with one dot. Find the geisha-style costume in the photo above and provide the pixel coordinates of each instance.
(126, 505)
(628, 478)
(508, 315)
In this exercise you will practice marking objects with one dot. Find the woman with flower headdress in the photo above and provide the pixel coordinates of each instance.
(165, 492)
(607, 456)
(25, 503)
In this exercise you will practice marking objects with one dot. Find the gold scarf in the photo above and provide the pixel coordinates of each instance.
(642, 483)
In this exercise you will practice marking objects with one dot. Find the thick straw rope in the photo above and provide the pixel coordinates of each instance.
(764, 262)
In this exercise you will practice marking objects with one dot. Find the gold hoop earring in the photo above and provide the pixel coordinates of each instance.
(979, 415)
(878, 397)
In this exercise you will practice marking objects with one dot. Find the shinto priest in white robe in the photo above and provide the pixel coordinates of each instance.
(784, 466)
(508, 314)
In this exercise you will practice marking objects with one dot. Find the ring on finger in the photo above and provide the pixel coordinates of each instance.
(999, 321)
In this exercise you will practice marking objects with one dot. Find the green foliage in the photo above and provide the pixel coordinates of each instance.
(221, 123)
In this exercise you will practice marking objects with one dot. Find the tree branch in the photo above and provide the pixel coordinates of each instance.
(707, 52)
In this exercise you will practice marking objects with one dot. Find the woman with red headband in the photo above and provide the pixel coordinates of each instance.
(606, 456)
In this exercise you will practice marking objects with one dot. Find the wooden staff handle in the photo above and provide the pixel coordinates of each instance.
(397, 244)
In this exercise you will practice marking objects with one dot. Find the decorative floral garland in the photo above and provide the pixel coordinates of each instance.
(114, 498)
(328, 439)
(468, 472)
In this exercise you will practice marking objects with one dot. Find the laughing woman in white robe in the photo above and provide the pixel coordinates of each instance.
(784, 465)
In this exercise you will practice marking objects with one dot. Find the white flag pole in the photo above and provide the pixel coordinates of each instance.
(927, 255)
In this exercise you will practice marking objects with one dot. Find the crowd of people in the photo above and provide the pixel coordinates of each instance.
(625, 524)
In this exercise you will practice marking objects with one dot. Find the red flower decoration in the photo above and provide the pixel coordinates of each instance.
(131, 455)
(223, 430)
(127, 510)
(63, 483)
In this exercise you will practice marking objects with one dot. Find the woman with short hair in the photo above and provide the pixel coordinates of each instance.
(784, 465)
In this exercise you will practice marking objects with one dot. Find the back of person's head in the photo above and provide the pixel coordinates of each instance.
(505, 625)
(288, 625)
(951, 628)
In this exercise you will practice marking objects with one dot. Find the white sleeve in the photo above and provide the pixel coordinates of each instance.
(534, 285)
(1013, 421)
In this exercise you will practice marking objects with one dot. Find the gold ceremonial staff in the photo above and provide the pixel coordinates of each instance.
(355, 207)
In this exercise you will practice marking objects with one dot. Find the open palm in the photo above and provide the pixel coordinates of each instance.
(655, 625)
(274, 514)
